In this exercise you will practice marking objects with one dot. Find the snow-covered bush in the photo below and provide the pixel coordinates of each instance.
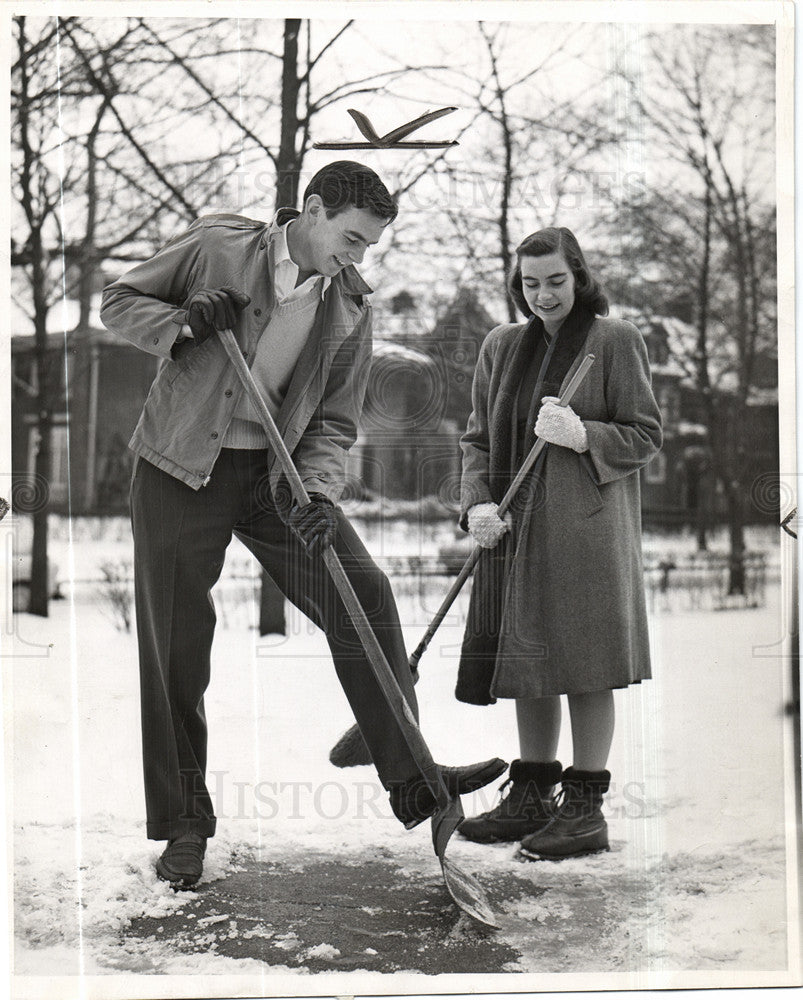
(116, 592)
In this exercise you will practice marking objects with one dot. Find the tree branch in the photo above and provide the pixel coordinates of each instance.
(179, 61)
(108, 94)
(312, 63)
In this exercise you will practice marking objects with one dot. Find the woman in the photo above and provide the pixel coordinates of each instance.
(557, 605)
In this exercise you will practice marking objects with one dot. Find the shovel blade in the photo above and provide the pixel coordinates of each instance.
(444, 823)
(466, 891)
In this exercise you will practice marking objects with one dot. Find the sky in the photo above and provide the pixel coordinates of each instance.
(580, 63)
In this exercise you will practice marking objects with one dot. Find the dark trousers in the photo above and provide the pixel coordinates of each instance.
(180, 540)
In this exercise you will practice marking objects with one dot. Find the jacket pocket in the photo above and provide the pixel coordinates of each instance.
(187, 356)
(589, 492)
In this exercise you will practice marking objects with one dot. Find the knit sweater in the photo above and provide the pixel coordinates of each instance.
(276, 356)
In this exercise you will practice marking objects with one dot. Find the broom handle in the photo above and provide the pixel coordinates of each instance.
(505, 502)
(379, 665)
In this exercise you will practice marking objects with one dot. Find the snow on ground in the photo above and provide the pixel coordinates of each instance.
(695, 880)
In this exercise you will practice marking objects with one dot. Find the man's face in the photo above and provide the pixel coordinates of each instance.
(342, 240)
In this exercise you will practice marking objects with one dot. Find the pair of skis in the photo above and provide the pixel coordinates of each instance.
(395, 139)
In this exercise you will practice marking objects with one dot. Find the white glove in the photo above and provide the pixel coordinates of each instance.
(561, 425)
(486, 526)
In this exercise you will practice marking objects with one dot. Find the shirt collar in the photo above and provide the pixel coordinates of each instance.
(281, 251)
(349, 279)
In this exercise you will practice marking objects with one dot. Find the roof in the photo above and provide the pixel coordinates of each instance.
(20, 343)
(681, 340)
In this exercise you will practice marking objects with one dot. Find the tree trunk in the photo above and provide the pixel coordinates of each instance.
(736, 580)
(87, 262)
(40, 489)
(503, 220)
(40, 590)
(726, 421)
(288, 167)
(704, 487)
(755, 296)
(703, 378)
(42, 467)
(504, 208)
(504, 233)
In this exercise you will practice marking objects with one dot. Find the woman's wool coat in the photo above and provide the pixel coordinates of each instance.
(558, 607)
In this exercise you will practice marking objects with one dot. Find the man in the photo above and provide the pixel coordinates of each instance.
(297, 305)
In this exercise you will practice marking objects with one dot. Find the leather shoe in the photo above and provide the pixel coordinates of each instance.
(462, 780)
(182, 861)
(413, 802)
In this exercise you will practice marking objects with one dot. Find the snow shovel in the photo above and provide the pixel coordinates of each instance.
(350, 750)
(463, 888)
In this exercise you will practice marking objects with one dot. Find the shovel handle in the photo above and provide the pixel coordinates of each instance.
(505, 502)
(379, 665)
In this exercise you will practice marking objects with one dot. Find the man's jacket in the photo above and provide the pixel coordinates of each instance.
(196, 390)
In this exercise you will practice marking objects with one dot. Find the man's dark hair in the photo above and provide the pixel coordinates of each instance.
(345, 183)
(558, 239)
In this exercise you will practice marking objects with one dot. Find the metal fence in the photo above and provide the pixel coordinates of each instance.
(701, 580)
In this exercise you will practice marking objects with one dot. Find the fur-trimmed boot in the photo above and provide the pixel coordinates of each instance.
(526, 808)
(578, 826)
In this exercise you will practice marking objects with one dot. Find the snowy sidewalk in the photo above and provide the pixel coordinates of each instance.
(310, 872)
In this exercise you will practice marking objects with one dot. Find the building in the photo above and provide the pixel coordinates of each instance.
(677, 485)
(101, 382)
(417, 404)
(418, 400)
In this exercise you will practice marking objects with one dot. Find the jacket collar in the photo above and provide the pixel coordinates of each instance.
(349, 280)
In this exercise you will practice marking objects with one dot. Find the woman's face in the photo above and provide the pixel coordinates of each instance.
(548, 285)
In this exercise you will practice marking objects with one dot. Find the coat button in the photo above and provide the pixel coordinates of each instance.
(257, 312)
(245, 354)
(214, 434)
(227, 392)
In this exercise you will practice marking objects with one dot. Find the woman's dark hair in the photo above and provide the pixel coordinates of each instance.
(558, 239)
(346, 183)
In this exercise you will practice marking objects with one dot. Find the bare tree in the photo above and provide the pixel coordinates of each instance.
(101, 173)
(300, 67)
(531, 143)
(69, 183)
(37, 81)
(710, 229)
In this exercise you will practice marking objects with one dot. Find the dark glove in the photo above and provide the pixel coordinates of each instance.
(314, 524)
(211, 309)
